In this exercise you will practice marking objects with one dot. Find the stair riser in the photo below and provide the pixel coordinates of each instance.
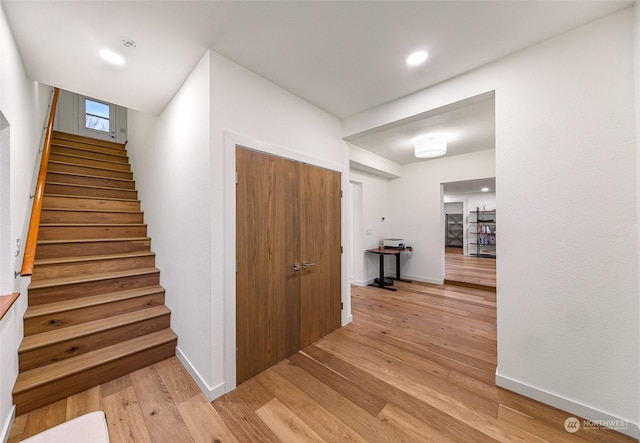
(62, 189)
(49, 216)
(60, 202)
(73, 232)
(84, 170)
(50, 322)
(59, 250)
(54, 294)
(32, 399)
(43, 272)
(89, 162)
(70, 179)
(57, 142)
(89, 154)
(70, 348)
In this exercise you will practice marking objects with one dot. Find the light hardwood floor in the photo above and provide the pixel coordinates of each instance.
(415, 365)
(469, 269)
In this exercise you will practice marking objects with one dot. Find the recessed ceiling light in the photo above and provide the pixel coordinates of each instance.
(111, 57)
(416, 58)
(485, 189)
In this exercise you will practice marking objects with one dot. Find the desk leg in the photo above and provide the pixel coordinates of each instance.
(380, 283)
(398, 270)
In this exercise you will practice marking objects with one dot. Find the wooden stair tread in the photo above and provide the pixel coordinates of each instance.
(109, 211)
(81, 225)
(85, 167)
(59, 135)
(74, 185)
(110, 162)
(90, 278)
(74, 174)
(36, 341)
(91, 240)
(77, 259)
(61, 369)
(85, 147)
(76, 144)
(94, 300)
(86, 197)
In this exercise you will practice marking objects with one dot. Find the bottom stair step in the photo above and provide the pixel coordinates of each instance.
(48, 384)
(42, 318)
(52, 346)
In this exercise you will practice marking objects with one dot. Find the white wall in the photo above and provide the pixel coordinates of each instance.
(568, 314)
(184, 168)
(170, 159)
(70, 110)
(453, 207)
(417, 207)
(375, 207)
(23, 104)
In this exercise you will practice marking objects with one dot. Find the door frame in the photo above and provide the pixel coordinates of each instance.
(228, 209)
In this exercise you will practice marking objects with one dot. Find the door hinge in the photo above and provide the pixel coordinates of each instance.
(236, 266)
(340, 193)
(341, 306)
(236, 177)
(341, 250)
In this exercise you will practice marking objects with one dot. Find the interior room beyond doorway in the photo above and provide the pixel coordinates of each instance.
(470, 231)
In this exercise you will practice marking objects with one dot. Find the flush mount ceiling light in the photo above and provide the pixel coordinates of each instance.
(485, 189)
(431, 147)
(111, 57)
(417, 58)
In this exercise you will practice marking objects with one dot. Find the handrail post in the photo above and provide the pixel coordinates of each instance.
(36, 209)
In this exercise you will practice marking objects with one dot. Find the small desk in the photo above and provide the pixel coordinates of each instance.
(388, 251)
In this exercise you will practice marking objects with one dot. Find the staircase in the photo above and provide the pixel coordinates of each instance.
(96, 310)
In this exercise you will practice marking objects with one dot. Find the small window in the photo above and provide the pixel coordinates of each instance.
(96, 115)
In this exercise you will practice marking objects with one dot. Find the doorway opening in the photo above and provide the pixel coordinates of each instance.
(470, 230)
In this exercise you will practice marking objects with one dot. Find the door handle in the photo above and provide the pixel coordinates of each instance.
(296, 267)
(306, 265)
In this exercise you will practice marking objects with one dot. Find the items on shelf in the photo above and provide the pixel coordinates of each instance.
(484, 232)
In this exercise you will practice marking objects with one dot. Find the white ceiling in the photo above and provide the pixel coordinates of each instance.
(468, 126)
(344, 57)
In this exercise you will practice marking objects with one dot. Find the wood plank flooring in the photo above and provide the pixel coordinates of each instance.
(416, 365)
(468, 269)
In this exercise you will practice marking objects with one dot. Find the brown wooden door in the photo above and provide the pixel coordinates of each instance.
(287, 213)
(267, 246)
(320, 215)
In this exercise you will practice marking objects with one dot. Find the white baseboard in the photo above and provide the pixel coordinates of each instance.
(358, 283)
(6, 427)
(433, 281)
(572, 407)
(210, 392)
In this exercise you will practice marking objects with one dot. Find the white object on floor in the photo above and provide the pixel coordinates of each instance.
(91, 427)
